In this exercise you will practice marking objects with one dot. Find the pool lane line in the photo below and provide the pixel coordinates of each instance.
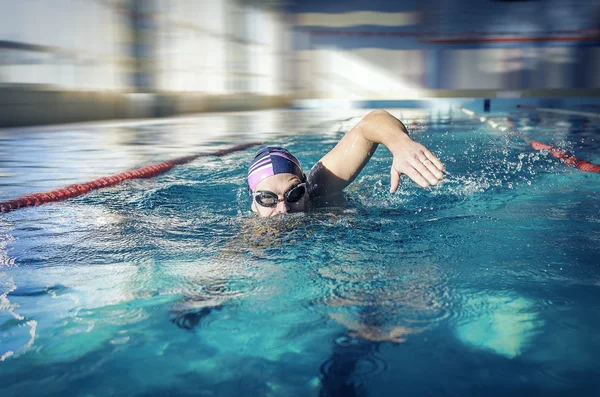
(560, 111)
(484, 119)
(80, 189)
(562, 155)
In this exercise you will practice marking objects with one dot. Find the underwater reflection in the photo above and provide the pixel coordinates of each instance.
(376, 303)
(233, 274)
(351, 360)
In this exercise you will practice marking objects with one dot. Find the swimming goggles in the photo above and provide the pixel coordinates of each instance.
(270, 199)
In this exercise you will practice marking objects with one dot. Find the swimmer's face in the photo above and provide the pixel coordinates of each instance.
(279, 184)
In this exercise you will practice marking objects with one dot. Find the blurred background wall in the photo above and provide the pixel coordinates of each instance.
(417, 48)
(72, 60)
(61, 60)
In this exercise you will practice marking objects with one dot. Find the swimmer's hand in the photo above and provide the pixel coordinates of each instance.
(415, 161)
(338, 168)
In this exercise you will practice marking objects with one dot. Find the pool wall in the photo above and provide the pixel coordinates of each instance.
(20, 106)
(589, 104)
(382, 49)
(147, 59)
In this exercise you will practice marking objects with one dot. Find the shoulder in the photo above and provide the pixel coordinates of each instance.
(321, 182)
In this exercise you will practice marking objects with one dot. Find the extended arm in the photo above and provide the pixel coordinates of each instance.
(338, 168)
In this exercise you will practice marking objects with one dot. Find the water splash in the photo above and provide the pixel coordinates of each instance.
(7, 286)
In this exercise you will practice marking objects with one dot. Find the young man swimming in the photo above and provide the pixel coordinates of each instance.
(278, 185)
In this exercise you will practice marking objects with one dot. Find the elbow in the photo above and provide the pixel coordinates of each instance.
(377, 118)
(376, 114)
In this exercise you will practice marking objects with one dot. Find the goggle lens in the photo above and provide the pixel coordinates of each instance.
(270, 199)
(295, 194)
(266, 199)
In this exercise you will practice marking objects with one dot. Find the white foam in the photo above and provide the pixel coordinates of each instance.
(7, 286)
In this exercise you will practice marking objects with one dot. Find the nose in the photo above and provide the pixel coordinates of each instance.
(281, 208)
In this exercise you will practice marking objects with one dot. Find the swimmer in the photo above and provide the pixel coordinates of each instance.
(278, 185)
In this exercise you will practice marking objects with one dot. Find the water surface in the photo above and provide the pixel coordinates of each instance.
(486, 284)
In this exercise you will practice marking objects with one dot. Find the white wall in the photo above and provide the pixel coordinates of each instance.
(202, 46)
(553, 67)
(473, 69)
(219, 47)
(365, 73)
(510, 68)
(86, 40)
(190, 51)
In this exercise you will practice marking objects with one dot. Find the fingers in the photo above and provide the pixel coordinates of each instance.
(431, 166)
(431, 157)
(395, 180)
(416, 176)
(425, 172)
(433, 170)
(422, 166)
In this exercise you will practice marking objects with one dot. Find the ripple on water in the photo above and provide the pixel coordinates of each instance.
(310, 320)
(34, 291)
(173, 195)
(569, 375)
(110, 315)
(230, 288)
(202, 300)
(209, 289)
(386, 305)
(364, 366)
(350, 365)
(190, 314)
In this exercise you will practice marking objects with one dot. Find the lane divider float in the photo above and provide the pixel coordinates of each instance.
(562, 155)
(80, 189)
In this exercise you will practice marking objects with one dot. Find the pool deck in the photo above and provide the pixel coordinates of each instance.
(33, 105)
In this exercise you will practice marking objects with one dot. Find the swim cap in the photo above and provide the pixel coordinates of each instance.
(271, 161)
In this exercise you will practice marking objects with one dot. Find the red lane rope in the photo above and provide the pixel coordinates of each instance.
(76, 190)
(563, 156)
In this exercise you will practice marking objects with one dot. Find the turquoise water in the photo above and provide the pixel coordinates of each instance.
(486, 284)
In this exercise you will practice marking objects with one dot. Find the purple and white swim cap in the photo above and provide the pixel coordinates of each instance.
(271, 161)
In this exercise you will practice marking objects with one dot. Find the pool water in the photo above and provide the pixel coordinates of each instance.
(486, 284)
